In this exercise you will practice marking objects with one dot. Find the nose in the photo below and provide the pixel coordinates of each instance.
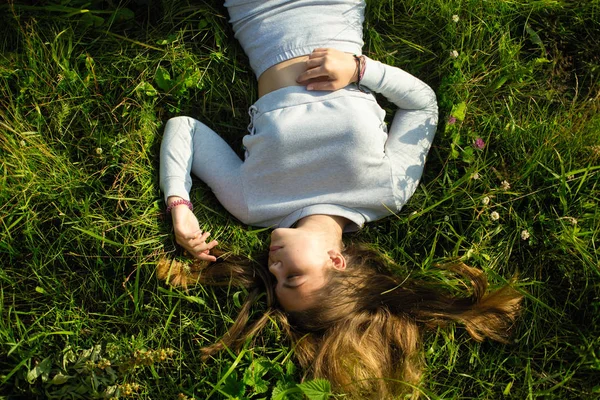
(275, 233)
(275, 267)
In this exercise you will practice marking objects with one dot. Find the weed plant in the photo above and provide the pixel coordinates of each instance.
(511, 186)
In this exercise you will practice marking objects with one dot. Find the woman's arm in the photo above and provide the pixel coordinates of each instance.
(188, 146)
(398, 86)
(187, 231)
(411, 133)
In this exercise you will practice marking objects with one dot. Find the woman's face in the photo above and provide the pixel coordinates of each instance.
(300, 261)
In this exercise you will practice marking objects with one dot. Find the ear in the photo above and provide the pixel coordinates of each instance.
(337, 259)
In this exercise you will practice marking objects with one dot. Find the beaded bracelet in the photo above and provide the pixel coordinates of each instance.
(178, 203)
(362, 66)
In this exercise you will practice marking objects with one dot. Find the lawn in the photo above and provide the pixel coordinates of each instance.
(511, 186)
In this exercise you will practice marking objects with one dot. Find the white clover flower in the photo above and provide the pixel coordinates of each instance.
(525, 234)
(454, 54)
(505, 185)
(495, 216)
(485, 201)
(475, 176)
(455, 18)
(98, 150)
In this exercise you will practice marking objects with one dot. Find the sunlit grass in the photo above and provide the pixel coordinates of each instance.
(83, 100)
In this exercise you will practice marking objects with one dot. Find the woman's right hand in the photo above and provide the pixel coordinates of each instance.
(188, 234)
(329, 69)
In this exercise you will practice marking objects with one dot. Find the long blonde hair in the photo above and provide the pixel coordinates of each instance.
(364, 335)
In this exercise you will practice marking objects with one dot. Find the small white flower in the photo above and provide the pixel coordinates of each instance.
(475, 176)
(525, 234)
(495, 216)
(98, 150)
(455, 18)
(23, 143)
(454, 54)
(446, 218)
(505, 185)
(485, 201)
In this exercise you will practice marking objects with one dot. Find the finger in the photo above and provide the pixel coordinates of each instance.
(204, 236)
(193, 236)
(196, 238)
(315, 62)
(199, 248)
(314, 73)
(204, 246)
(187, 243)
(199, 243)
(321, 50)
(322, 86)
(205, 254)
(317, 53)
(206, 257)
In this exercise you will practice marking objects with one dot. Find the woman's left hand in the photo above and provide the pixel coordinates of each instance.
(328, 69)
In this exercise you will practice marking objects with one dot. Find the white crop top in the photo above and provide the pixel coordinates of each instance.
(273, 31)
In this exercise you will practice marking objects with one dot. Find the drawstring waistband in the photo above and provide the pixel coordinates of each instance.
(252, 112)
(251, 129)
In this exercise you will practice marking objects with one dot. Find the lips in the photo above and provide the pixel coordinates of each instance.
(274, 248)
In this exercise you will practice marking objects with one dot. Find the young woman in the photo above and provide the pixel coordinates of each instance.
(320, 161)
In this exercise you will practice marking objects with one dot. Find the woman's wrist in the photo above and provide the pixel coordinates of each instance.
(176, 201)
(352, 59)
(361, 66)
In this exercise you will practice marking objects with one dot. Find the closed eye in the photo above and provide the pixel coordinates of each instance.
(293, 282)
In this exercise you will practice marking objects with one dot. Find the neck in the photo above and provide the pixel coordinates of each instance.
(331, 226)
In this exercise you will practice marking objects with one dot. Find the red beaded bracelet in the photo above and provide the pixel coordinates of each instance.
(178, 203)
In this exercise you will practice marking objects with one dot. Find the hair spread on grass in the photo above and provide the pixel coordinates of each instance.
(364, 335)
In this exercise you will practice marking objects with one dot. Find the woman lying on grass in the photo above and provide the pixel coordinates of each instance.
(319, 162)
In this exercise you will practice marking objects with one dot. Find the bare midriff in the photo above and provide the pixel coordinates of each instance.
(281, 75)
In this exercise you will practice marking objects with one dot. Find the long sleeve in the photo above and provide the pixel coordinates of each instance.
(189, 146)
(411, 133)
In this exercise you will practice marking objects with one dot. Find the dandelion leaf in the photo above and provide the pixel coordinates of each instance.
(42, 369)
(60, 378)
(163, 79)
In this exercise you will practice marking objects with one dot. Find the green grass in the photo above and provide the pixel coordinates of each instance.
(83, 100)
